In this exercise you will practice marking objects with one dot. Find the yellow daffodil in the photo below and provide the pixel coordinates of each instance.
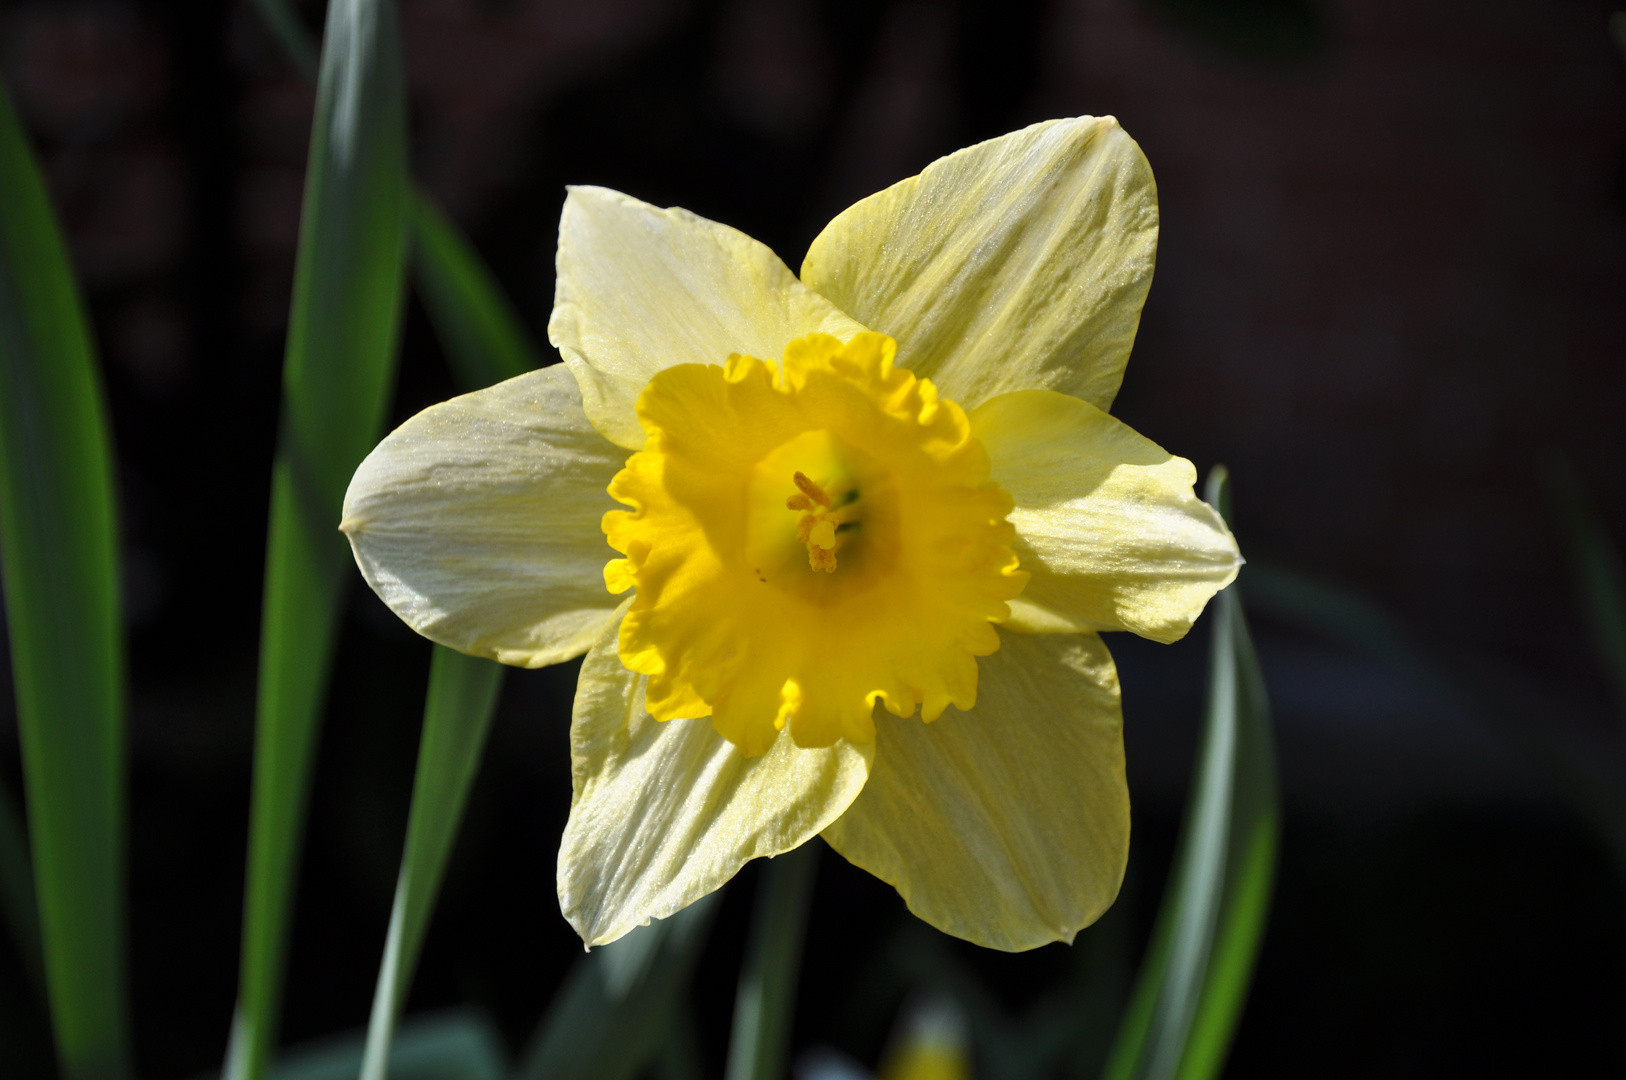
(892, 482)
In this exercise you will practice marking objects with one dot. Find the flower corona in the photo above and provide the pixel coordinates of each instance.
(750, 480)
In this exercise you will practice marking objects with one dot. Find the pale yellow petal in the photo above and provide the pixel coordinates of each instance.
(1017, 263)
(1106, 520)
(665, 812)
(1007, 825)
(477, 521)
(640, 289)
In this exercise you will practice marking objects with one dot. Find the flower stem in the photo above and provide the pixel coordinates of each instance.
(766, 1001)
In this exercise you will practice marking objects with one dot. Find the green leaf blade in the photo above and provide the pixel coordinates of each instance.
(1193, 983)
(1250, 872)
(283, 22)
(457, 717)
(484, 340)
(486, 344)
(618, 1006)
(766, 1000)
(455, 1044)
(57, 540)
(337, 377)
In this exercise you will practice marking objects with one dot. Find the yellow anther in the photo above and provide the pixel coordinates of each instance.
(818, 529)
(812, 491)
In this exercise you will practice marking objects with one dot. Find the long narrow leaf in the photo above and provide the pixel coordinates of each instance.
(483, 337)
(619, 1004)
(679, 1057)
(456, 717)
(336, 381)
(284, 24)
(1342, 615)
(486, 344)
(1189, 994)
(484, 340)
(766, 1000)
(456, 1045)
(57, 550)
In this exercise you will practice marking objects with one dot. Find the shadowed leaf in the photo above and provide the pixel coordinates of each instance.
(337, 377)
(483, 338)
(460, 1044)
(765, 1003)
(486, 345)
(456, 717)
(1194, 980)
(67, 655)
(1589, 771)
(618, 1006)
(485, 341)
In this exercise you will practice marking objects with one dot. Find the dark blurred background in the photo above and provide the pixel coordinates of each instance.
(1390, 290)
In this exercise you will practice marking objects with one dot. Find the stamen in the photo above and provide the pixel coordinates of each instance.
(812, 491)
(818, 529)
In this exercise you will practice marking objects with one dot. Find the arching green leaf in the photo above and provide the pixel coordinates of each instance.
(337, 378)
(1189, 994)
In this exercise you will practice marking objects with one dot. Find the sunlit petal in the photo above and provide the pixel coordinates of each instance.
(664, 812)
(1106, 520)
(640, 289)
(477, 521)
(1007, 825)
(1018, 263)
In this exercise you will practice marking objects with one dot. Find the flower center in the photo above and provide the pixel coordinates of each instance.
(821, 527)
(753, 488)
(810, 497)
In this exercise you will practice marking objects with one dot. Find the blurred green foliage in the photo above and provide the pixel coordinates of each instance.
(1194, 980)
(457, 713)
(57, 544)
(337, 377)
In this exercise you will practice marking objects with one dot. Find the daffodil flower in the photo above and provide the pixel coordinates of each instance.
(892, 483)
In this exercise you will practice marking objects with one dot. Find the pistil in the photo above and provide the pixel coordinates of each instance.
(820, 523)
